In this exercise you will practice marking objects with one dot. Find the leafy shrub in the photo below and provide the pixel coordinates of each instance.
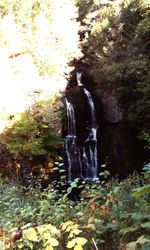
(106, 215)
(33, 137)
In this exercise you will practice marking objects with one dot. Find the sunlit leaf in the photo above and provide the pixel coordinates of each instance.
(81, 241)
(78, 247)
(71, 243)
(46, 235)
(68, 229)
(131, 245)
(145, 190)
(49, 247)
(53, 242)
(73, 184)
(30, 234)
(20, 245)
(76, 231)
(13, 229)
(143, 239)
(71, 234)
(24, 244)
(66, 224)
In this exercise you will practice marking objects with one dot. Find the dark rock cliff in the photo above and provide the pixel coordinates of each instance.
(118, 146)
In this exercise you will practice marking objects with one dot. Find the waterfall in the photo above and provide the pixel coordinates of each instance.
(92, 108)
(81, 158)
(70, 138)
(78, 76)
(71, 119)
(91, 141)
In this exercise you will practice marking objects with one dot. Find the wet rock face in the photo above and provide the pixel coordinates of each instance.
(116, 140)
(111, 108)
(108, 112)
(76, 96)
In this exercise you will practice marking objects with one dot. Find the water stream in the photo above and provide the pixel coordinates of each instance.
(81, 157)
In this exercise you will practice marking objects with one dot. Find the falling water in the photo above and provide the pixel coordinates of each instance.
(82, 159)
(78, 76)
(71, 137)
(71, 119)
(91, 141)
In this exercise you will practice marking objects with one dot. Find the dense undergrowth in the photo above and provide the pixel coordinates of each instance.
(31, 144)
(105, 215)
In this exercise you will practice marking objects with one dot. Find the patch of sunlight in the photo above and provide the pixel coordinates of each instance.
(21, 84)
(9, 44)
(34, 52)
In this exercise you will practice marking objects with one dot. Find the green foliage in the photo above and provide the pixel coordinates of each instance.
(31, 135)
(42, 236)
(84, 7)
(116, 46)
(15, 206)
(23, 140)
(34, 135)
(106, 215)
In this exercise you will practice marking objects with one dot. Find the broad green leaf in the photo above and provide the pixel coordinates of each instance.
(78, 247)
(128, 230)
(116, 190)
(47, 227)
(112, 226)
(61, 170)
(73, 184)
(145, 225)
(81, 241)
(145, 190)
(69, 190)
(30, 234)
(139, 216)
(71, 243)
(146, 246)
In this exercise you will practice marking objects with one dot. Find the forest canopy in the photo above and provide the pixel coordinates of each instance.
(115, 40)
